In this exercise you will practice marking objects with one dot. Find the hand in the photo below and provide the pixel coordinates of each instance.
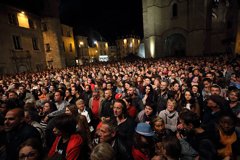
(46, 119)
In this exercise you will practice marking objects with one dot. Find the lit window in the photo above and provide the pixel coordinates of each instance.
(23, 20)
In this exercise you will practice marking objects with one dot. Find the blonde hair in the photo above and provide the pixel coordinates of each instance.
(80, 101)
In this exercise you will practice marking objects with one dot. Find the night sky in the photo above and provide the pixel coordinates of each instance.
(111, 19)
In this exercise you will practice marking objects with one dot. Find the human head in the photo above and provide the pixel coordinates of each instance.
(108, 94)
(164, 85)
(189, 120)
(119, 108)
(149, 109)
(13, 119)
(103, 151)
(71, 110)
(58, 96)
(234, 95)
(170, 144)
(107, 132)
(171, 105)
(215, 89)
(31, 149)
(227, 122)
(80, 104)
(65, 124)
(158, 124)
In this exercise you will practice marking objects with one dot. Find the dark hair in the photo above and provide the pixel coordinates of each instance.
(35, 144)
(124, 106)
(66, 124)
(73, 108)
(190, 117)
(172, 147)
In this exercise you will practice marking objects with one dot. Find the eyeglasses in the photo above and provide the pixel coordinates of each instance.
(27, 156)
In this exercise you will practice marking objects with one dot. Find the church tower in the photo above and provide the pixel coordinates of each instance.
(185, 27)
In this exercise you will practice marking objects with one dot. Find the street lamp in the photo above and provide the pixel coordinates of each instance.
(81, 45)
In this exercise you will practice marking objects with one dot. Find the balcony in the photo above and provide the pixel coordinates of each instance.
(20, 54)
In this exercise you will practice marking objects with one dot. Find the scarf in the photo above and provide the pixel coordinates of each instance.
(227, 141)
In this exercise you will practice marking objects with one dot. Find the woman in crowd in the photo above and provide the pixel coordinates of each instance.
(147, 114)
(160, 130)
(143, 146)
(189, 102)
(67, 144)
(170, 115)
(31, 149)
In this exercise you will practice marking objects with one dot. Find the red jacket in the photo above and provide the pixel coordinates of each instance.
(138, 155)
(73, 147)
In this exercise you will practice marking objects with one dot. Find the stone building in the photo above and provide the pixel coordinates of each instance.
(21, 41)
(127, 45)
(189, 27)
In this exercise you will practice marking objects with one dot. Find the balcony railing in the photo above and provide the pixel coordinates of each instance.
(21, 54)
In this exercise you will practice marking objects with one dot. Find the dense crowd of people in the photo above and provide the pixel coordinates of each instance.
(158, 109)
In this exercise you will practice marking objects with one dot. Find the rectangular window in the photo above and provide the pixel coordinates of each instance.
(48, 47)
(70, 47)
(31, 24)
(68, 33)
(63, 47)
(35, 43)
(17, 42)
(12, 19)
(44, 27)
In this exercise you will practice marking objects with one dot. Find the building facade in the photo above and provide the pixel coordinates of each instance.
(127, 45)
(189, 27)
(68, 45)
(21, 41)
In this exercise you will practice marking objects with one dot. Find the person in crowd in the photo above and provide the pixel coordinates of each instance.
(226, 138)
(69, 97)
(158, 125)
(131, 109)
(60, 105)
(95, 104)
(198, 139)
(170, 144)
(107, 110)
(206, 88)
(190, 102)
(48, 107)
(215, 106)
(125, 125)
(103, 151)
(31, 118)
(170, 115)
(162, 96)
(136, 100)
(108, 134)
(31, 149)
(143, 145)
(147, 114)
(67, 144)
(83, 110)
(149, 96)
(17, 131)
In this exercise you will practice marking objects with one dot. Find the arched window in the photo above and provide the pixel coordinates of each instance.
(174, 10)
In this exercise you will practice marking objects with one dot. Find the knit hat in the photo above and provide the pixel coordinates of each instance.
(144, 129)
